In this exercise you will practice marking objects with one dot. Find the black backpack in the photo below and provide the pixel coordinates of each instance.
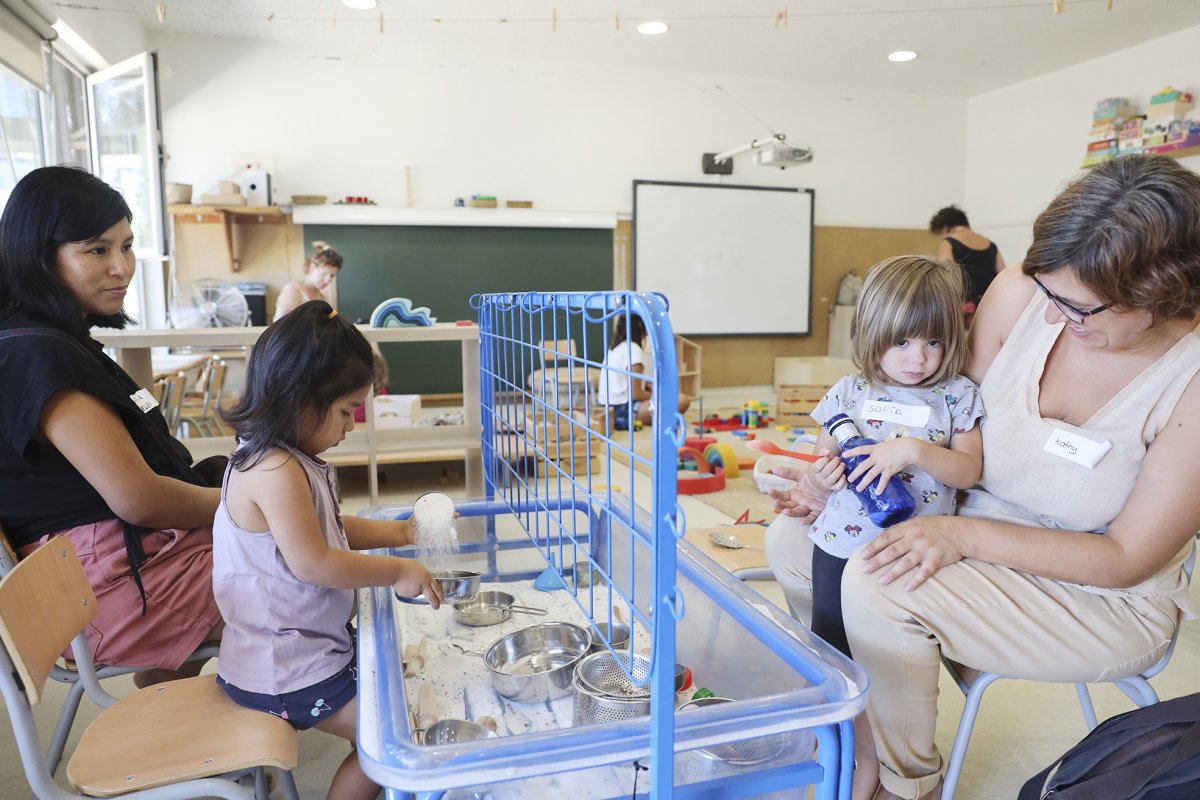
(1150, 753)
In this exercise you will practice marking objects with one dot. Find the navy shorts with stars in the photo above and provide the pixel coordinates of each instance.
(306, 707)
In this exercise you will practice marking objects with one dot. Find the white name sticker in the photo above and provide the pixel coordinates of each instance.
(1074, 447)
(913, 416)
(144, 400)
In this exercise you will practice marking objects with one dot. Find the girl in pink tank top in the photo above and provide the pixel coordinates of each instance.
(284, 561)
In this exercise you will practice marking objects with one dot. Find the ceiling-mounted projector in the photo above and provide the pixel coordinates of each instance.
(769, 151)
(782, 155)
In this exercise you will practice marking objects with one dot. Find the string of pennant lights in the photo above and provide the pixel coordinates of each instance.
(779, 19)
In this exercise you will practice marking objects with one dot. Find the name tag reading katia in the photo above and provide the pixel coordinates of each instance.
(144, 400)
(913, 416)
(1074, 447)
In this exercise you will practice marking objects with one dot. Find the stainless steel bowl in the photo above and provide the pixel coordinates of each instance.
(535, 664)
(449, 731)
(458, 585)
(741, 753)
(617, 636)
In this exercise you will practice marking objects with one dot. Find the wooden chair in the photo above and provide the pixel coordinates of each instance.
(559, 382)
(169, 393)
(185, 736)
(199, 411)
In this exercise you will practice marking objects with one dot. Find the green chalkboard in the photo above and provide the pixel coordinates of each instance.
(441, 267)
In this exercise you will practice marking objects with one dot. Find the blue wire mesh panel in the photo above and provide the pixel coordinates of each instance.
(564, 381)
(570, 484)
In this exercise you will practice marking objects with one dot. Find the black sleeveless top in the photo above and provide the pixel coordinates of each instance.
(40, 491)
(979, 266)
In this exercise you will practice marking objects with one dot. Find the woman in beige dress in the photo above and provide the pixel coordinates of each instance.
(1065, 562)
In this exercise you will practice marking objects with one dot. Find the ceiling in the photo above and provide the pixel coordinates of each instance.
(966, 47)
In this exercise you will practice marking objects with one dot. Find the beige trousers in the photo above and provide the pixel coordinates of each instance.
(981, 615)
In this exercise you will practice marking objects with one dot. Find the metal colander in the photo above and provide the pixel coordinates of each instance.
(592, 707)
(607, 674)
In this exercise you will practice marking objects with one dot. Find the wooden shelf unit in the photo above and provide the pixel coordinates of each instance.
(687, 357)
(227, 215)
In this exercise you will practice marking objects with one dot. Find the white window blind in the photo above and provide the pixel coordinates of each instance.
(24, 25)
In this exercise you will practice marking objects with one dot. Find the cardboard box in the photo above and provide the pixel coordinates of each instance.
(1173, 109)
(396, 410)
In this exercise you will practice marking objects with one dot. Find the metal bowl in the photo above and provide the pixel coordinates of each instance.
(449, 731)
(742, 753)
(535, 664)
(458, 585)
(617, 636)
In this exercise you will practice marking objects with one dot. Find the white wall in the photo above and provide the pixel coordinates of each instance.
(1026, 140)
(566, 137)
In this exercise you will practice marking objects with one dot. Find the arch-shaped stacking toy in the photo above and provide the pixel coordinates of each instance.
(722, 455)
(709, 479)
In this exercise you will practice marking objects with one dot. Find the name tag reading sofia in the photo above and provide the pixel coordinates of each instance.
(886, 410)
(144, 400)
(1074, 447)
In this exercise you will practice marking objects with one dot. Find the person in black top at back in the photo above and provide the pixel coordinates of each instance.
(84, 451)
(977, 255)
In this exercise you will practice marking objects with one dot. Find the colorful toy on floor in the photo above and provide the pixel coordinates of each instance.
(722, 455)
(755, 414)
(704, 479)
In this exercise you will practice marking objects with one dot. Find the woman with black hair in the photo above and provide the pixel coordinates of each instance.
(976, 254)
(84, 451)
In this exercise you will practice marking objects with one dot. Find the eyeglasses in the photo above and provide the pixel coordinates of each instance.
(1075, 315)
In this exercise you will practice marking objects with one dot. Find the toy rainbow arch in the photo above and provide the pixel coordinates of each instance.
(397, 312)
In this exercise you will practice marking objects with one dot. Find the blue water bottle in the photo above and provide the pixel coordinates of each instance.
(894, 504)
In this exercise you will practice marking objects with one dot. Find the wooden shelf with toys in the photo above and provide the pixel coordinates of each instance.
(1118, 128)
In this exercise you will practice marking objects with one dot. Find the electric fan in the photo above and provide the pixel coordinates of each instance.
(209, 303)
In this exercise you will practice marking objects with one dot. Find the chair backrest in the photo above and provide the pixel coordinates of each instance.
(556, 350)
(214, 386)
(171, 403)
(45, 600)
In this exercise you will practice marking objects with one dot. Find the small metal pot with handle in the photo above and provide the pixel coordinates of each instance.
(491, 608)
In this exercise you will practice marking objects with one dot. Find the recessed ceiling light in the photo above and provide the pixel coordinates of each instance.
(652, 28)
(362, 5)
(902, 55)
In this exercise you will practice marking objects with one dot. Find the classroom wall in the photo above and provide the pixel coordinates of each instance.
(565, 136)
(1026, 140)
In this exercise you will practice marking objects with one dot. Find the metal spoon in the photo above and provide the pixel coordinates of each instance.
(464, 651)
(729, 540)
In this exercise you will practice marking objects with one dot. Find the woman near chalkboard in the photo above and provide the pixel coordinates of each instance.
(319, 272)
(977, 255)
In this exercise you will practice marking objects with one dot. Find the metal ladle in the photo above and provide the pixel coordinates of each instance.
(729, 540)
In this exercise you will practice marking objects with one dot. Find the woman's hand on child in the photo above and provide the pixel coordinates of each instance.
(828, 473)
(416, 580)
(805, 501)
(882, 461)
(914, 549)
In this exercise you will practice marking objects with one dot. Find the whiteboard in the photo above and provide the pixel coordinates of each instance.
(730, 259)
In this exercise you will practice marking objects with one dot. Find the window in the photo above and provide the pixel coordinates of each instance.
(66, 115)
(20, 131)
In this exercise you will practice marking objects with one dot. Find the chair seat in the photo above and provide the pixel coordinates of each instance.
(152, 738)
